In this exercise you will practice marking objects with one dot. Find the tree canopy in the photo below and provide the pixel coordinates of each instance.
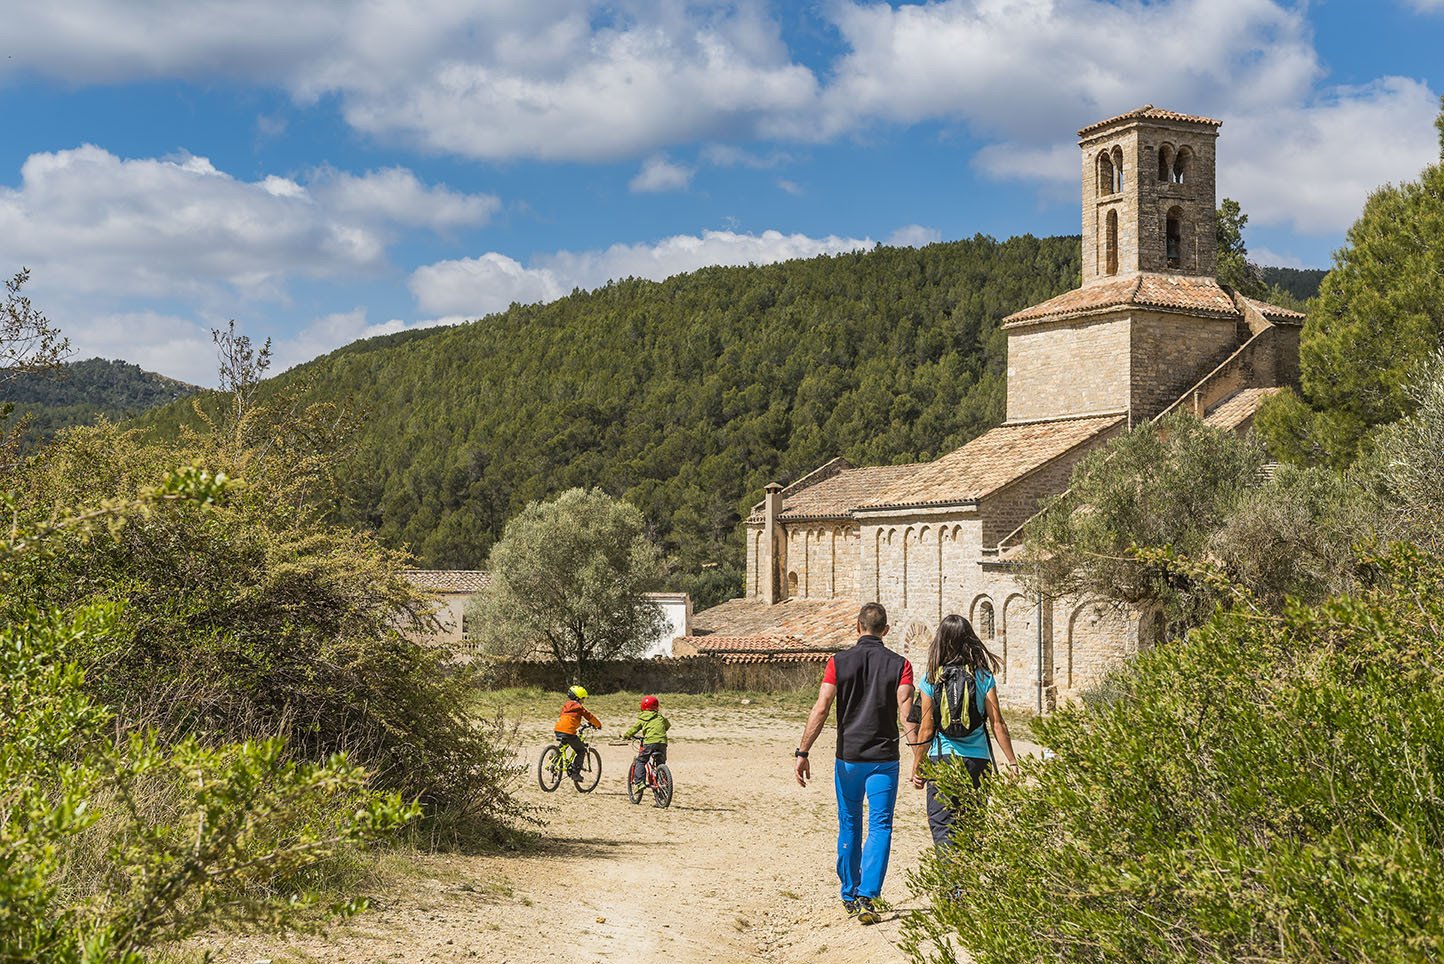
(568, 576)
(1379, 314)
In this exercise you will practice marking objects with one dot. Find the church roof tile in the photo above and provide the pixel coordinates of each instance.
(991, 461)
(1149, 112)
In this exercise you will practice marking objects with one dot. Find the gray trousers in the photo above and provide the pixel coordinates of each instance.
(942, 812)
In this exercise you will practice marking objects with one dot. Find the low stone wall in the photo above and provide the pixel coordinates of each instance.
(687, 674)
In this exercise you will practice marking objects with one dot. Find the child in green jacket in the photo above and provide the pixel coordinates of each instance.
(653, 729)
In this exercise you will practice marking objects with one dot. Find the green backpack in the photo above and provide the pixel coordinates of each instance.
(955, 702)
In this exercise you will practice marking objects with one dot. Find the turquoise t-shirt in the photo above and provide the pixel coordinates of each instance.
(975, 744)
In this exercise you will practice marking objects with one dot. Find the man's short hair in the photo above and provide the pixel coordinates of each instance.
(872, 618)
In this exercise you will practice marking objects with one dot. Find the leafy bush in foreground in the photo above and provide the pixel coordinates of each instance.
(254, 619)
(112, 842)
(1268, 789)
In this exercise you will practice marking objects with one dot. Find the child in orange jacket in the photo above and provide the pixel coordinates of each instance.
(570, 721)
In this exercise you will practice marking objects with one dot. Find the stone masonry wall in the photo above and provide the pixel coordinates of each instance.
(1068, 369)
(1171, 353)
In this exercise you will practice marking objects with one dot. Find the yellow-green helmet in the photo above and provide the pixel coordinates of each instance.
(577, 692)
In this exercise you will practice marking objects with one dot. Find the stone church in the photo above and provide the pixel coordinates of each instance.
(1149, 331)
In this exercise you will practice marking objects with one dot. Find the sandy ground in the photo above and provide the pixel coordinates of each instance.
(739, 868)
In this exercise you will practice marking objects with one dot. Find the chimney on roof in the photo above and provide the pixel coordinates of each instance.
(774, 546)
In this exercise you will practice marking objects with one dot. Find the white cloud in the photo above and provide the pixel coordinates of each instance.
(394, 195)
(89, 221)
(1269, 258)
(1427, 6)
(914, 236)
(659, 174)
(170, 344)
(483, 78)
(791, 187)
(477, 286)
(1312, 168)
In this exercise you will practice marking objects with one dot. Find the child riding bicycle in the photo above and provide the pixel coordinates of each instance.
(652, 727)
(570, 721)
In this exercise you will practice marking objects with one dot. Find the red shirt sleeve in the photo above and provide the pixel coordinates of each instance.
(829, 675)
(907, 674)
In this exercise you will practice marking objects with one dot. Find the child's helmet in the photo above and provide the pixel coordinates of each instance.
(649, 703)
(577, 692)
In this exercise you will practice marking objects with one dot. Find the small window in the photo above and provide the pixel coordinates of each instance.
(1165, 164)
(1110, 251)
(1117, 170)
(1173, 237)
(792, 585)
(985, 627)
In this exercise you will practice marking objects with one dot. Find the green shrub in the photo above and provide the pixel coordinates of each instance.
(1267, 789)
(256, 618)
(244, 823)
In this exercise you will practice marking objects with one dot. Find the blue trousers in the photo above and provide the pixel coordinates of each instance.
(862, 865)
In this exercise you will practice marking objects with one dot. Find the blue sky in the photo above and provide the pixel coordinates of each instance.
(322, 170)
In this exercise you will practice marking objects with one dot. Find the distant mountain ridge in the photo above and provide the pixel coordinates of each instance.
(78, 392)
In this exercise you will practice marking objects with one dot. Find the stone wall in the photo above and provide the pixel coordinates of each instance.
(1170, 353)
(1068, 368)
(691, 674)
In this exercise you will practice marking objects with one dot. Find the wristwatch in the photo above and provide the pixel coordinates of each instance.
(800, 753)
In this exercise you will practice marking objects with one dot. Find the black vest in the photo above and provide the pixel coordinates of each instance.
(868, 675)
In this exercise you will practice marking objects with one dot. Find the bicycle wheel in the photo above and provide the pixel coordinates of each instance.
(662, 792)
(591, 771)
(549, 769)
(634, 789)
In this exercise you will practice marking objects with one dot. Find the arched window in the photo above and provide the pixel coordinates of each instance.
(792, 585)
(1181, 164)
(1117, 169)
(1165, 164)
(987, 626)
(1105, 174)
(1110, 250)
(1173, 237)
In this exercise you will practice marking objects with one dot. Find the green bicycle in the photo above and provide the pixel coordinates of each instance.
(556, 761)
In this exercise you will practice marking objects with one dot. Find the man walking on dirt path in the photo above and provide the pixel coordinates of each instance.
(873, 688)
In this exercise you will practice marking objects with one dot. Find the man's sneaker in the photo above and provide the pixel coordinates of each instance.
(852, 907)
(866, 912)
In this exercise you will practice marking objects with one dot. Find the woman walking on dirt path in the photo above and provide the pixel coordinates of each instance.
(873, 687)
(960, 671)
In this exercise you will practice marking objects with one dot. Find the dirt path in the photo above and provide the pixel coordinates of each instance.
(740, 868)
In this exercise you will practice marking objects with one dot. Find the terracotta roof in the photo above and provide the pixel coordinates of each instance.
(448, 580)
(1274, 312)
(1163, 292)
(818, 657)
(1149, 112)
(796, 625)
(991, 461)
(1239, 408)
(835, 496)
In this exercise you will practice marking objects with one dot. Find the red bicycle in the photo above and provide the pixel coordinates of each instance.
(658, 779)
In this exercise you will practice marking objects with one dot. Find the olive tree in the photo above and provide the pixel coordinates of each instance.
(568, 577)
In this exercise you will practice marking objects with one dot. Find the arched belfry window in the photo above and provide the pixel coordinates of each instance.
(1110, 245)
(1181, 165)
(1105, 173)
(1165, 164)
(1117, 169)
(1173, 237)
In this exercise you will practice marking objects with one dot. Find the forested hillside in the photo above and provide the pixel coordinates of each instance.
(685, 396)
(75, 394)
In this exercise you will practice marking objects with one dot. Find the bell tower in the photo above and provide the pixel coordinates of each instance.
(1149, 200)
